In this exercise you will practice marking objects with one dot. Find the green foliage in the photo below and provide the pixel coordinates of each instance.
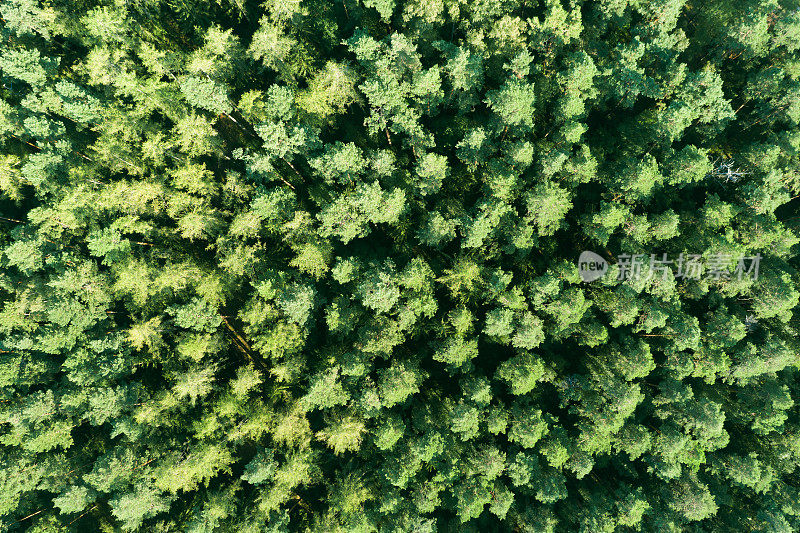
(205, 94)
(311, 266)
(514, 104)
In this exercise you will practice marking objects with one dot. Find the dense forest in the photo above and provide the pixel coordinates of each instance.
(313, 265)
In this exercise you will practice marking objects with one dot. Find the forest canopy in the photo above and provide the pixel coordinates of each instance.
(313, 265)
